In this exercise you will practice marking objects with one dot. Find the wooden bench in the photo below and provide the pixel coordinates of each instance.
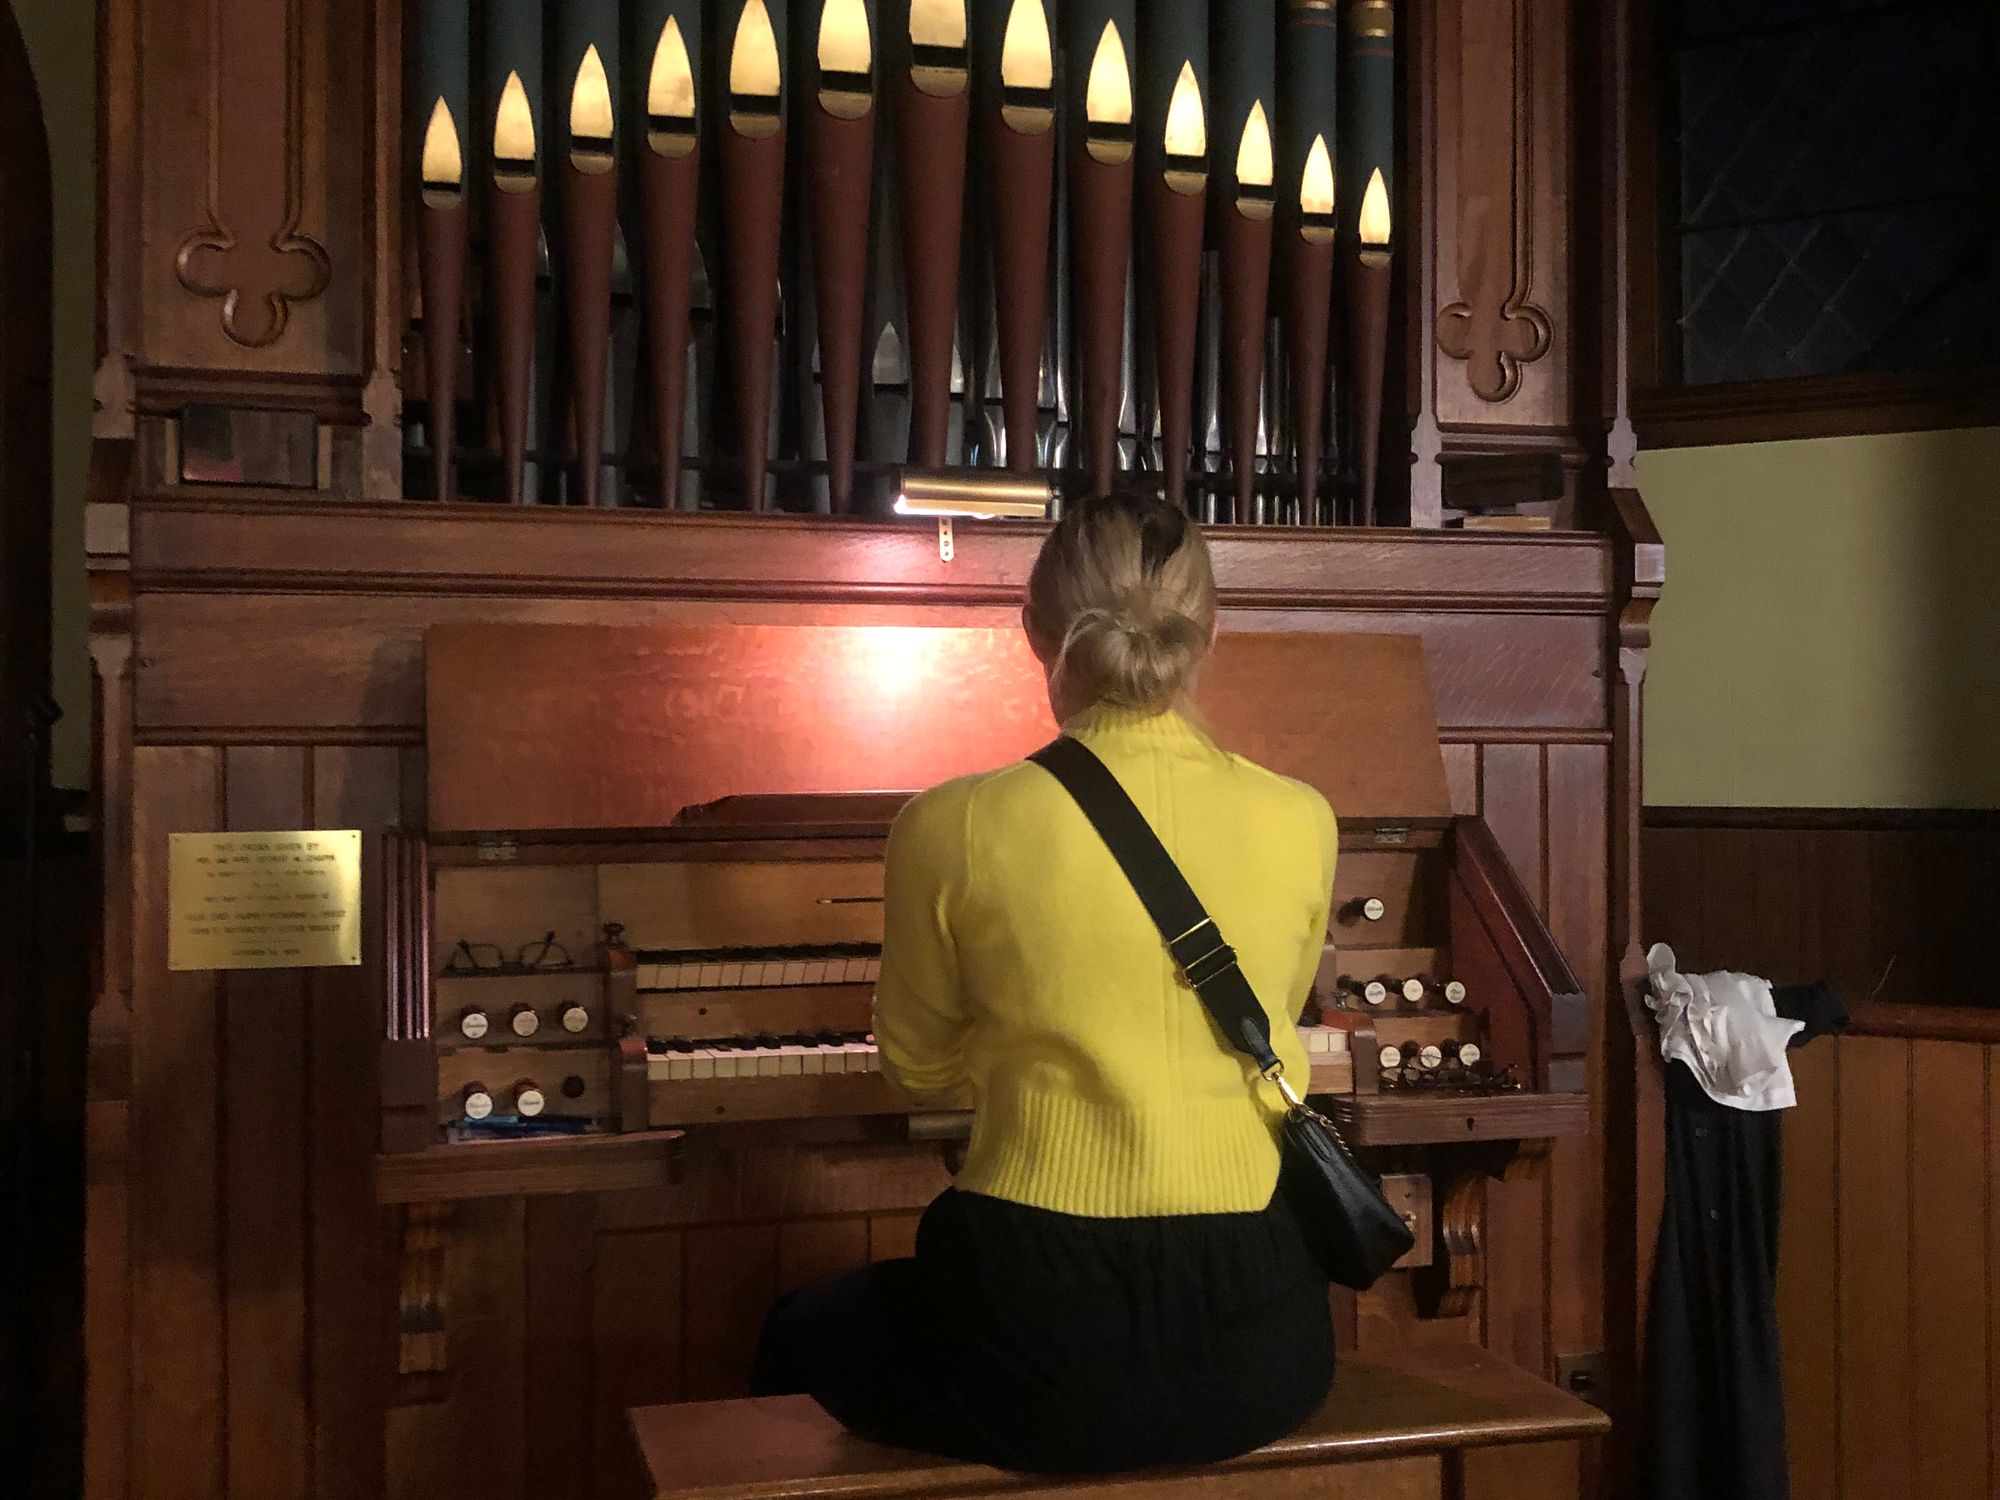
(1395, 1428)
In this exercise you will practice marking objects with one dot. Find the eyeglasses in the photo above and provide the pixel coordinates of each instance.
(489, 958)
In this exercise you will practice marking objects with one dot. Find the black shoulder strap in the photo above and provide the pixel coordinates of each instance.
(1206, 962)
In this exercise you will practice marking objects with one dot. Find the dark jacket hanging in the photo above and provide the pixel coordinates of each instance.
(1715, 1382)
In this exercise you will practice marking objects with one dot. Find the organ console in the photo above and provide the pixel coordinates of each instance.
(718, 971)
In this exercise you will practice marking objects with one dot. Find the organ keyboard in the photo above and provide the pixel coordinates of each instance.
(721, 969)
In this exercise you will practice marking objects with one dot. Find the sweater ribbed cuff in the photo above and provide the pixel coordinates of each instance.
(1066, 1154)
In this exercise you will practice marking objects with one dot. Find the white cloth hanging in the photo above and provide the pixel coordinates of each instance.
(1727, 1029)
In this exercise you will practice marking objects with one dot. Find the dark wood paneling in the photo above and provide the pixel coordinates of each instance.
(352, 1305)
(264, 1170)
(1809, 1279)
(1948, 1249)
(177, 1211)
(733, 1271)
(1889, 1242)
(1882, 906)
(274, 662)
(1877, 1403)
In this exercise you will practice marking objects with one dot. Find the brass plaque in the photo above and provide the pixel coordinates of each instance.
(288, 899)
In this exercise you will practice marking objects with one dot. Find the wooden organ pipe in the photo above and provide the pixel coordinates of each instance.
(586, 62)
(1306, 116)
(753, 205)
(933, 119)
(1174, 52)
(669, 183)
(840, 162)
(514, 232)
(1017, 62)
(1099, 99)
(1369, 149)
(444, 103)
(1245, 40)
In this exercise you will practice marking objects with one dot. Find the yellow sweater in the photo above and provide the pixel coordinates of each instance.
(1019, 967)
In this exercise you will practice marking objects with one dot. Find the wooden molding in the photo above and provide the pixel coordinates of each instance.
(1817, 406)
(251, 252)
(1930, 1023)
(1863, 819)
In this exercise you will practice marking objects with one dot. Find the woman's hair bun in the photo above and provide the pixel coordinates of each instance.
(1124, 594)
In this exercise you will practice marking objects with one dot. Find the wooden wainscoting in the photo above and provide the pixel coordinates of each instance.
(1889, 1244)
(1891, 1229)
(1884, 905)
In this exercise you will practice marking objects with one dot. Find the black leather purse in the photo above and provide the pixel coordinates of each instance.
(1350, 1226)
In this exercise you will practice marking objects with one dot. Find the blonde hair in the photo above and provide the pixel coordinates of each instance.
(1122, 599)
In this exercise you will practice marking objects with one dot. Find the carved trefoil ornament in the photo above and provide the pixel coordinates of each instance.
(251, 252)
(1495, 327)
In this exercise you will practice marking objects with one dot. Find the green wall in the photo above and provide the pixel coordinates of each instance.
(1830, 632)
(62, 42)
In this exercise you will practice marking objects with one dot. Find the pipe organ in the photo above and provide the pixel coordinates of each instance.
(502, 412)
(847, 136)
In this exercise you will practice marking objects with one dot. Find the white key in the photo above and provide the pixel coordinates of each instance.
(731, 977)
(703, 1063)
(680, 1066)
(812, 1059)
(656, 1067)
(727, 1062)
(833, 1057)
(856, 1054)
(793, 971)
(769, 1062)
(873, 970)
(791, 1061)
(710, 976)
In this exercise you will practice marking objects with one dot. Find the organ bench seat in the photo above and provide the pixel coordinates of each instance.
(1396, 1427)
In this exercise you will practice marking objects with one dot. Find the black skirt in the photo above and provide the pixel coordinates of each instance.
(1051, 1343)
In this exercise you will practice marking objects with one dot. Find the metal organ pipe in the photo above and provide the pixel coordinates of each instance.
(515, 129)
(840, 164)
(1235, 142)
(669, 157)
(443, 105)
(586, 61)
(1016, 61)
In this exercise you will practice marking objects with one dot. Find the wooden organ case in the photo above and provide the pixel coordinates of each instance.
(305, 1277)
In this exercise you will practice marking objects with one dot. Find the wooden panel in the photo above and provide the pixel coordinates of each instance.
(813, 1249)
(636, 1336)
(892, 1236)
(836, 707)
(1877, 1406)
(1499, 77)
(1532, 1470)
(175, 1155)
(558, 1413)
(261, 663)
(249, 180)
(485, 1322)
(264, 1160)
(1510, 796)
(1862, 900)
(1461, 775)
(732, 1279)
(107, 1341)
(615, 554)
(1578, 842)
(1949, 1256)
(351, 1299)
(1809, 1271)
